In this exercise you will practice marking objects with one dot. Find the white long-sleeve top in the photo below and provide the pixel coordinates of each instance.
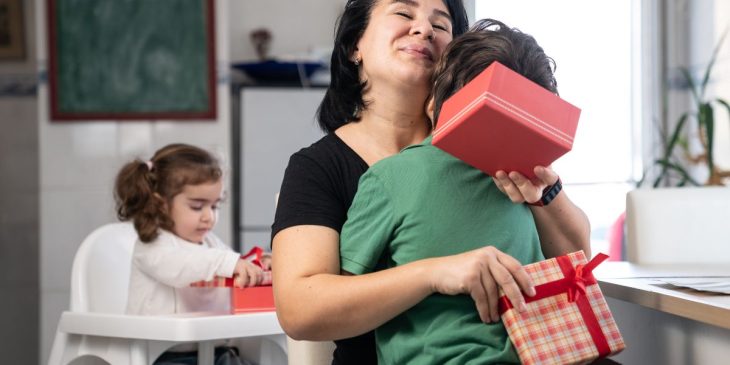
(163, 270)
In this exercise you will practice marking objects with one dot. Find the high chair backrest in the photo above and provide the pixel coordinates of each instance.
(100, 273)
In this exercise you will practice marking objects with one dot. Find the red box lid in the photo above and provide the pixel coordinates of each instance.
(503, 121)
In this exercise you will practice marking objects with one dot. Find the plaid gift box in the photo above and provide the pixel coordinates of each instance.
(501, 120)
(568, 320)
(253, 299)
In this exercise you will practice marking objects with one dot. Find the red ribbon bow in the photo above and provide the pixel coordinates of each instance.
(581, 277)
(259, 252)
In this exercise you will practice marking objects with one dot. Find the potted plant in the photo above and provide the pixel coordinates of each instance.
(674, 167)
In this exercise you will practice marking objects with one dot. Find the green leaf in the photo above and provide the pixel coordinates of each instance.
(706, 78)
(725, 104)
(679, 169)
(707, 121)
(690, 81)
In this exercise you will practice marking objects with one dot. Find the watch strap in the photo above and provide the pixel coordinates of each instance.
(548, 194)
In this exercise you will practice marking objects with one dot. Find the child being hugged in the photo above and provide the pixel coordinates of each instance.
(173, 201)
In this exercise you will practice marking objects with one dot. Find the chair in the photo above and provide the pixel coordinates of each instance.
(96, 325)
(678, 225)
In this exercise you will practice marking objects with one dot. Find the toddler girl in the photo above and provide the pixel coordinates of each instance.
(173, 201)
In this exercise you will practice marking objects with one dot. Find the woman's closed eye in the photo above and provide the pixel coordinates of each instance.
(440, 26)
(404, 15)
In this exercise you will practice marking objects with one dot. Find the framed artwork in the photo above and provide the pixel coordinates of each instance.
(131, 60)
(12, 37)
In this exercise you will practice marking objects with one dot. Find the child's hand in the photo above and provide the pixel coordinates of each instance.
(266, 261)
(247, 274)
(520, 189)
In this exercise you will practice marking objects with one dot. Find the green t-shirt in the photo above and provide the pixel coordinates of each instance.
(426, 203)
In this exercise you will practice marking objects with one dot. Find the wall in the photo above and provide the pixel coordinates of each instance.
(78, 161)
(721, 80)
(298, 27)
(19, 204)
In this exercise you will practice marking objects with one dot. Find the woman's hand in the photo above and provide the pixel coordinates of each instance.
(246, 274)
(520, 189)
(481, 273)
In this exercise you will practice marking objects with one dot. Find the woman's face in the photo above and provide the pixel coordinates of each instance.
(403, 41)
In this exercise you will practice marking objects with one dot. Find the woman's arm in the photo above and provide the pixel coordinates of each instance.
(315, 302)
(563, 227)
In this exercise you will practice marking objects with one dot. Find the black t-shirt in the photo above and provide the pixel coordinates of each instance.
(318, 188)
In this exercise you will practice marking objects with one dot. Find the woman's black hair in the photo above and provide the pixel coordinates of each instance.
(344, 95)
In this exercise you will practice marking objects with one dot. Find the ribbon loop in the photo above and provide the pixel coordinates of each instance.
(581, 277)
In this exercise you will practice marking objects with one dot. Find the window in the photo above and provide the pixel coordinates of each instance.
(596, 57)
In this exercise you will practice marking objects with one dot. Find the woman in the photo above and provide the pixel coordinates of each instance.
(384, 57)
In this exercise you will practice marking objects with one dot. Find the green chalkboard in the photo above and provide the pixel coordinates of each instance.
(131, 59)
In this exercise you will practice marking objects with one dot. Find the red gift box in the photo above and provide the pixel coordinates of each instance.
(243, 300)
(502, 121)
(568, 320)
(253, 299)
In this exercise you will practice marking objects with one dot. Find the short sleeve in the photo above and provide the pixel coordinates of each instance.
(306, 197)
(369, 226)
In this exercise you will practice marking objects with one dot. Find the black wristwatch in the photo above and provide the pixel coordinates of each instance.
(548, 194)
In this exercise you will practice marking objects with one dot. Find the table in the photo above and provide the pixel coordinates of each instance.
(662, 323)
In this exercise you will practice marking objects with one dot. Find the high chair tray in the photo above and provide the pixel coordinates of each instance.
(192, 327)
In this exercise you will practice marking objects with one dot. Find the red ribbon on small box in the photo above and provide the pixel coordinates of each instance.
(258, 298)
(220, 281)
(574, 285)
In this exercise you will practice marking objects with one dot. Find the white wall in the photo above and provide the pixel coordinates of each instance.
(721, 81)
(297, 26)
(78, 162)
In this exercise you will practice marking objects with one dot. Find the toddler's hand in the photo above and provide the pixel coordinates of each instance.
(266, 261)
(247, 274)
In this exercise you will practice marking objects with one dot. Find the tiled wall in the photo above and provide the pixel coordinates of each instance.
(78, 162)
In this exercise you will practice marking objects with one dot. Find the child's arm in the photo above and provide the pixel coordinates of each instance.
(562, 226)
(180, 265)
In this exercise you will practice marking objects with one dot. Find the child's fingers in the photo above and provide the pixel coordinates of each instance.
(266, 261)
(241, 279)
(256, 275)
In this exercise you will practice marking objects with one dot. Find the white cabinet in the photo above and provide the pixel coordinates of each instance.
(275, 123)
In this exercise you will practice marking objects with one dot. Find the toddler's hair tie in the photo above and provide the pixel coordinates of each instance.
(149, 165)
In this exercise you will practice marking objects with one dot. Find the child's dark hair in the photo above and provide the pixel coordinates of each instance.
(143, 190)
(490, 40)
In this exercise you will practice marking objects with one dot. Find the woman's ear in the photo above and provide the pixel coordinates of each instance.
(429, 111)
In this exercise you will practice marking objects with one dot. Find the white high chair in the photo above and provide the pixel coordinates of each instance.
(96, 325)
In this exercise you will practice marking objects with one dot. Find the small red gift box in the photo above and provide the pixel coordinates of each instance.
(501, 120)
(568, 320)
(243, 300)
